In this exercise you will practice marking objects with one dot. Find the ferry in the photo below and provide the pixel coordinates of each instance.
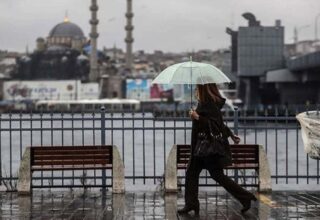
(88, 105)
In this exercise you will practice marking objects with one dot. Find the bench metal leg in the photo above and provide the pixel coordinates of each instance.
(171, 184)
(264, 172)
(117, 172)
(24, 176)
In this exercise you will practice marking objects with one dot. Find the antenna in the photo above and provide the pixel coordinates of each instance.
(232, 20)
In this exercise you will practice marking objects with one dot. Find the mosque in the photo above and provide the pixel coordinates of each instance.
(67, 54)
(66, 65)
(61, 55)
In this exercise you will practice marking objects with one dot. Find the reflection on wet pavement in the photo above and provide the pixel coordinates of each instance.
(154, 205)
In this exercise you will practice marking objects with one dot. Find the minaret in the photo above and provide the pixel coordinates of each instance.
(129, 38)
(94, 74)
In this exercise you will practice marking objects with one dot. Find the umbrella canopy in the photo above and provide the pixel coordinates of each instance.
(191, 73)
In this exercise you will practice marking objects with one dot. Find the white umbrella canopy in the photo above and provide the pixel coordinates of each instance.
(191, 73)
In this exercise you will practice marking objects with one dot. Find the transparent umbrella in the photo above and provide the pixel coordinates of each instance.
(191, 73)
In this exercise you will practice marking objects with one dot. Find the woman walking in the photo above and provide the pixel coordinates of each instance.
(208, 113)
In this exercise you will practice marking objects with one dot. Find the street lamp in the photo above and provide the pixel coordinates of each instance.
(316, 26)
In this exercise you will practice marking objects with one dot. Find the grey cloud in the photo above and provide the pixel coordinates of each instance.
(170, 25)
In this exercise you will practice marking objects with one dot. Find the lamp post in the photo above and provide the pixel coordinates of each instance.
(316, 26)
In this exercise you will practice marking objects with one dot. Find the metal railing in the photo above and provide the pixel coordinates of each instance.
(144, 142)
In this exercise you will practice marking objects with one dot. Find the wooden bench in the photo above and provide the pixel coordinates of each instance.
(52, 158)
(244, 157)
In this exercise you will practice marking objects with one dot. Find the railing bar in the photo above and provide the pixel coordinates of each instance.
(136, 128)
(20, 134)
(276, 144)
(318, 160)
(185, 130)
(164, 146)
(123, 139)
(41, 141)
(154, 151)
(10, 145)
(144, 149)
(111, 119)
(286, 113)
(307, 169)
(94, 143)
(72, 140)
(255, 124)
(180, 177)
(94, 126)
(133, 148)
(82, 134)
(247, 118)
(1, 177)
(82, 128)
(51, 117)
(245, 129)
(103, 142)
(62, 140)
(297, 150)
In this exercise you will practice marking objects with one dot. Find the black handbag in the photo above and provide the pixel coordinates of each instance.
(212, 143)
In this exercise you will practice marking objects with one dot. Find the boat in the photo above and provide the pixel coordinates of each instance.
(88, 105)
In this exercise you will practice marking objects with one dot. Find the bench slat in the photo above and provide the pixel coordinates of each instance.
(244, 155)
(71, 167)
(71, 147)
(51, 152)
(70, 162)
(71, 157)
(246, 160)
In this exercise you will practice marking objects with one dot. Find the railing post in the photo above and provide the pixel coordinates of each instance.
(103, 142)
(236, 120)
(236, 125)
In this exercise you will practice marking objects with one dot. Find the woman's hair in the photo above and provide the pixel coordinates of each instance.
(208, 92)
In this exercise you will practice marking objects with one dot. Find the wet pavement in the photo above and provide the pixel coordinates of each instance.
(87, 205)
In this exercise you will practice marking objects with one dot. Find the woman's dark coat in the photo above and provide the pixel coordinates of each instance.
(211, 111)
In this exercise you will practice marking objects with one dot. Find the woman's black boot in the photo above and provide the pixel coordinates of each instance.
(187, 209)
(247, 204)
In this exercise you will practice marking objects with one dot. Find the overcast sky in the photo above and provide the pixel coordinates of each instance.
(168, 25)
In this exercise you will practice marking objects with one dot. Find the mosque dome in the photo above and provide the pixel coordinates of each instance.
(66, 29)
(66, 34)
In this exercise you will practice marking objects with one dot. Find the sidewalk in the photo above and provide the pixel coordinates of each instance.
(154, 205)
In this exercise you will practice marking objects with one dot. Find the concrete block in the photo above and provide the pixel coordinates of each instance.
(264, 172)
(24, 176)
(171, 171)
(118, 183)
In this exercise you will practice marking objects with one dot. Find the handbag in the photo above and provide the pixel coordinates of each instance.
(210, 144)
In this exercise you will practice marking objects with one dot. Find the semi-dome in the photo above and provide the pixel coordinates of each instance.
(66, 29)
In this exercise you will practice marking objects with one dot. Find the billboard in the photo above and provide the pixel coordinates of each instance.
(89, 91)
(42, 90)
(138, 89)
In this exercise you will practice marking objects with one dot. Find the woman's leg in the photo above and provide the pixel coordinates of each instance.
(232, 187)
(192, 182)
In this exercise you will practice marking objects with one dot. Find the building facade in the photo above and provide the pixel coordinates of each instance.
(259, 48)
